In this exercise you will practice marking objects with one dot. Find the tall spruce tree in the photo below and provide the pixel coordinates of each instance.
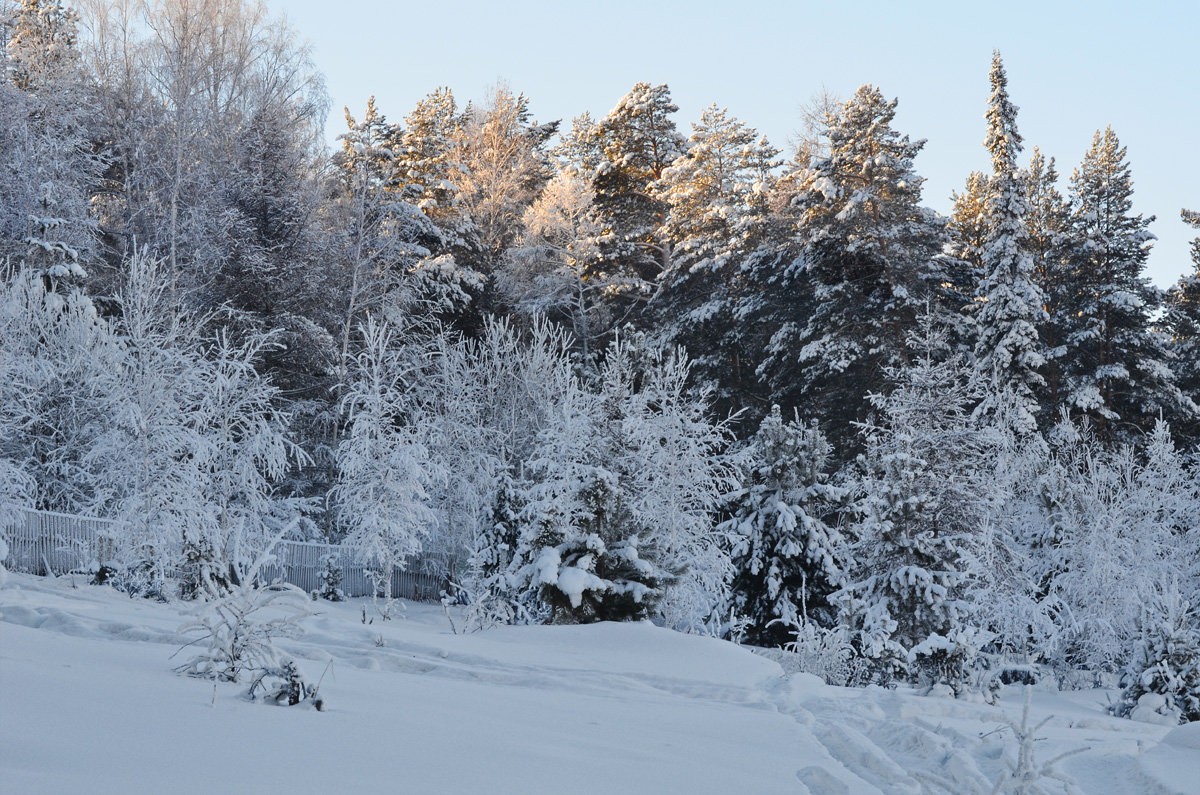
(1008, 351)
(1048, 237)
(872, 254)
(1182, 324)
(1116, 369)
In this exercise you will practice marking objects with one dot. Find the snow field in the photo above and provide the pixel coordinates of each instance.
(89, 701)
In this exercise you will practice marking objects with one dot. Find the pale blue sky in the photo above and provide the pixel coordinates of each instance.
(1073, 67)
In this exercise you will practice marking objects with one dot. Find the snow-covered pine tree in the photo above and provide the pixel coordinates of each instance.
(871, 252)
(1008, 351)
(920, 503)
(427, 170)
(1116, 369)
(385, 236)
(638, 141)
(717, 198)
(785, 551)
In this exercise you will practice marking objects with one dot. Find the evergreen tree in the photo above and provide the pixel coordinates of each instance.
(1048, 232)
(637, 141)
(1182, 324)
(49, 167)
(1116, 369)
(717, 198)
(1008, 351)
(427, 174)
(920, 505)
(786, 555)
(871, 252)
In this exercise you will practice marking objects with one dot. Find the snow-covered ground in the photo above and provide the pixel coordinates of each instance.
(89, 702)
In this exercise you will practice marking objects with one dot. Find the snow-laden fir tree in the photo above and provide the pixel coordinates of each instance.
(49, 164)
(1116, 369)
(871, 252)
(1162, 681)
(1182, 324)
(1048, 240)
(616, 520)
(718, 205)
(384, 468)
(920, 503)
(786, 548)
(1008, 349)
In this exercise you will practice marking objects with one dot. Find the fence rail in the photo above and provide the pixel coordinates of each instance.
(43, 542)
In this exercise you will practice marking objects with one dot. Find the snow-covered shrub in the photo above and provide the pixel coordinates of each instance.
(240, 627)
(16, 490)
(827, 653)
(1163, 679)
(331, 579)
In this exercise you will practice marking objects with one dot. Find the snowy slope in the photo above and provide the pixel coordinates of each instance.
(89, 702)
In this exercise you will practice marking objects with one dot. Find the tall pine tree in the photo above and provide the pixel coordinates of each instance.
(872, 253)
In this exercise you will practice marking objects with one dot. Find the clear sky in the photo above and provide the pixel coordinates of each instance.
(1073, 67)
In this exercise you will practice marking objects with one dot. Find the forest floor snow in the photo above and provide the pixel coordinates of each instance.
(89, 701)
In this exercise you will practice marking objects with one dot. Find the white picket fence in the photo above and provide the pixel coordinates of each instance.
(44, 543)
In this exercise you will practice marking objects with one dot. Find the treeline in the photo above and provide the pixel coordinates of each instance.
(465, 332)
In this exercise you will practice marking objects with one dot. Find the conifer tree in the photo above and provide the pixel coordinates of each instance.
(871, 252)
(1182, 324)
(1048, 236)
(1116, 369)
(637, 141)
(717, 197)
(785, 553)
(1008, 351)
(919, 505)
(49, 164)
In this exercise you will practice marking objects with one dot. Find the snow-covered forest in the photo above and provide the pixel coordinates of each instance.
(624, 366)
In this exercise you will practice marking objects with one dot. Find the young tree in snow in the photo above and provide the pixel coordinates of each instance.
(919, 505)
(786, 554)
(1008, 350)
(1163, 678)
(616, 518)
(383, 466)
